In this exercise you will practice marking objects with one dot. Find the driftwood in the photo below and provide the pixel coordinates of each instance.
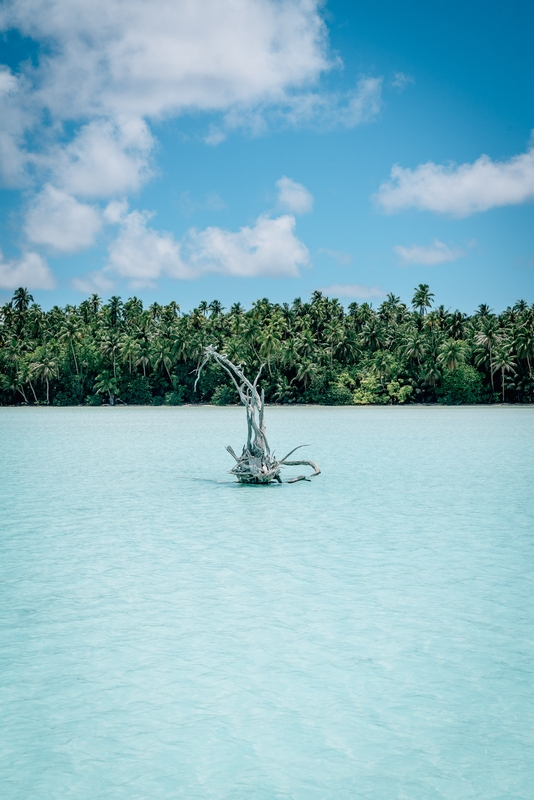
(255, 465)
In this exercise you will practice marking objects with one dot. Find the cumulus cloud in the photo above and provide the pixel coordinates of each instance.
(269, 248)
(30, 270)
(355, 290)
(294, 196)
(141, 255)
(61, 223)
(77, 121)
(8, 82)
(436, 253)
(160, 59)
(460, 190)
(104, 159)
(165, 56)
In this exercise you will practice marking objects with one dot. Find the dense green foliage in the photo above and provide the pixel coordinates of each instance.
(313, 352)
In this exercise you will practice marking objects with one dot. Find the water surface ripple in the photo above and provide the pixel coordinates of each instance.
(167, 633)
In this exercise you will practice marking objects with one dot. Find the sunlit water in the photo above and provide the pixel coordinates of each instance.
(166, 633)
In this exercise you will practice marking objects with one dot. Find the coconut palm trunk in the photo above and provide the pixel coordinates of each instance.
(74, 356)
(33, 391)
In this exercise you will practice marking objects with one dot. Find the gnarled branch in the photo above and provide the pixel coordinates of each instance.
(255, 464)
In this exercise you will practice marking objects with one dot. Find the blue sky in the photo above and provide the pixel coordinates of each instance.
(237, 149)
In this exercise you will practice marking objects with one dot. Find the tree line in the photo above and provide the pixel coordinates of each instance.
(313, 352)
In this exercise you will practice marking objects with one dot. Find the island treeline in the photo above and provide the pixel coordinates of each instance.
(314, 352)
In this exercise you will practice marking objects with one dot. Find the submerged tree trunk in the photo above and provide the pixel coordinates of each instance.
(255, 464)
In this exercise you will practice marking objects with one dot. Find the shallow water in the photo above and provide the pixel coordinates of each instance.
(167, 633)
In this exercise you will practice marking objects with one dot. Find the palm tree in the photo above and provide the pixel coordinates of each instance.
(106, 382)
(70, 332)
(270, 340)
(525, 345)
(334, 334)
(115, 310)
(432, 374)
(422, 298)
(457, 325)
(285, 391)
(129, 350)
(216, 308)
(504, 361)
(305, 372)
(44, 367)
(143, 356)
(452, 353)
(383, 363)
(110, 346)
(21, 300)
(14, 383)
(95, 303)
(414, 347)
(483, 311)
(162, 355)
(172, 311)
(487, 339)
(372, 335)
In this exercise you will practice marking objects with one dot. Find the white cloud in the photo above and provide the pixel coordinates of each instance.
(460, 190)
(76, 125)
(339, 255)
(30, 270)
(58, 221)
(269, 248)
(215, 136)
(8, 82)
(356, 290)
(15, 119)
(165, 56)
(294, 196)
(401, 80)
(12, 161)
(436, 253)
(359, 106)
(320, 110)
(104, 159)
(142, 255)
(115, 211)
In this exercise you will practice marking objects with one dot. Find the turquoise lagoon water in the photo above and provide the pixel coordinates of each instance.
(166, 633)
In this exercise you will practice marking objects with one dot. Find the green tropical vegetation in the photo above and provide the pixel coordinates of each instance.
(313, 352)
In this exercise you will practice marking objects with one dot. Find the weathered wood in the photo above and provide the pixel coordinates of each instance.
(255, 465)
